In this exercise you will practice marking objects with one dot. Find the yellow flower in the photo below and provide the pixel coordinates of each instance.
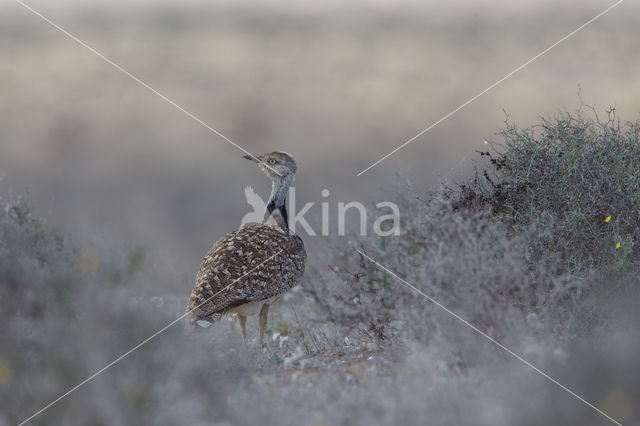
(618, 245)
(608, 219)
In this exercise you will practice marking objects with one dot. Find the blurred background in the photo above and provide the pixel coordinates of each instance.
(143, 191)
(337, 84)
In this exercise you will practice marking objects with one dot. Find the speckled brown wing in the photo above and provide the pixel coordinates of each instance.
(233, 256)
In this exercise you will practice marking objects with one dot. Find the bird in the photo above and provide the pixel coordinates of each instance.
(249, 269)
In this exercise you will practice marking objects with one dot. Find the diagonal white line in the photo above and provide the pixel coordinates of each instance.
(91, 377)
(485, 335)
(491, 86)
(136, 79)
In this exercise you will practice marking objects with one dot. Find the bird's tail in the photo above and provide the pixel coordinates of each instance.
(191, 323)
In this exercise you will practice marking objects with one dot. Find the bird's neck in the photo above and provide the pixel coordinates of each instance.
(277, 201)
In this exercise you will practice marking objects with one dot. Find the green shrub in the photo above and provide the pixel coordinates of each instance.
(563, 179)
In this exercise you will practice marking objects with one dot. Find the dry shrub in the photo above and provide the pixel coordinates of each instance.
(68, 313)
(513, 251)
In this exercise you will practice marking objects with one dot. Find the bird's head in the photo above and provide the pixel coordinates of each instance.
(277, 165)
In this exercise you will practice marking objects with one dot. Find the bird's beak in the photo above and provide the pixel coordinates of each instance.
(251, 157)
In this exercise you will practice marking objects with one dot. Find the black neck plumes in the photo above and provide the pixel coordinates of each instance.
(281, 210)
(277, 201)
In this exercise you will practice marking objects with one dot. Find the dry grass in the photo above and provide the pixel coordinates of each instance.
(352, 345)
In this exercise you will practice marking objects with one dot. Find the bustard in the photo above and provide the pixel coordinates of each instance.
(238, 275)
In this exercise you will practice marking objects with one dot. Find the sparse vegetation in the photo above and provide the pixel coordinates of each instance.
(558, 209)
(524, 251)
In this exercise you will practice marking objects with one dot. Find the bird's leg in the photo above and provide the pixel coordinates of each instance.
(262, 321)
(242, 320)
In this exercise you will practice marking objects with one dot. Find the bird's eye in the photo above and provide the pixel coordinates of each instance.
(272, 161)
